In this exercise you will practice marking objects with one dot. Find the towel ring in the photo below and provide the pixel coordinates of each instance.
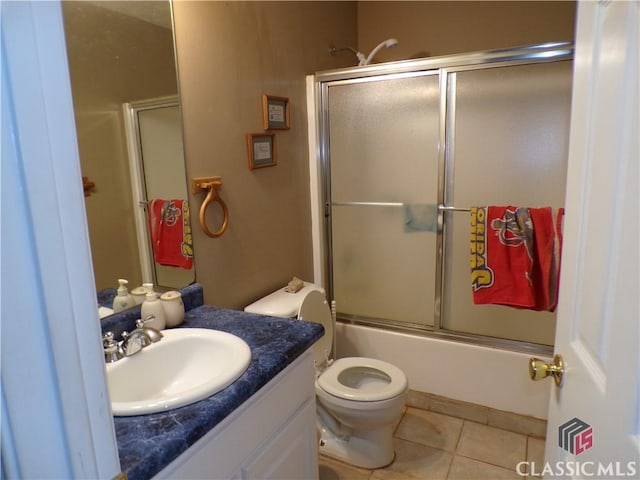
(213, 185)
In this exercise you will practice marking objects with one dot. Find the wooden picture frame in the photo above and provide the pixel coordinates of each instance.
(261, 148)
(275, 113)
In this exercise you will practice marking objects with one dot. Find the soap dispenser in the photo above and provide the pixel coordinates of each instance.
(152, 307)
(139, 295)
(123, 299)
(149, 288)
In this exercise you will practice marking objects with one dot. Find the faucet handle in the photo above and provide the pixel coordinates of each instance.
(154, 334)
(108, 340)
(112, 350)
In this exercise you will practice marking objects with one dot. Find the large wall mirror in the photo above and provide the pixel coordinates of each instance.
(125, 94)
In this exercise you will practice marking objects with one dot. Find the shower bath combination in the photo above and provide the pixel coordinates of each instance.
(362, 60)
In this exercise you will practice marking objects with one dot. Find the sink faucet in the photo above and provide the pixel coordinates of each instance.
(131, 343)
(141, 337)
(112, 349)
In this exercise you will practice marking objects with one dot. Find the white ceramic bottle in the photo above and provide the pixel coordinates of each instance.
(123, 299)
(173, 308)
(153, 306)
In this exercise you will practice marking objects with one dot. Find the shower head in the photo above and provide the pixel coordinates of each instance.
(390, 42)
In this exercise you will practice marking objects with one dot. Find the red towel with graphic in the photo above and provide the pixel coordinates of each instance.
(170, 227)
(515, 254)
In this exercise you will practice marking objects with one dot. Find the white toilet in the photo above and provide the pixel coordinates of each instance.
(359, 398)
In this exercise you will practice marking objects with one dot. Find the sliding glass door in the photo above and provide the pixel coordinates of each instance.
(405, 154)
(384, 158)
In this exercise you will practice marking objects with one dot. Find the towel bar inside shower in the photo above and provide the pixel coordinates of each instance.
(448, 208)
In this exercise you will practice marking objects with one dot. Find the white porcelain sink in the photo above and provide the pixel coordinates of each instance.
(187, 365)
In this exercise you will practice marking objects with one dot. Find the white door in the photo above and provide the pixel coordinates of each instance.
(594, 417)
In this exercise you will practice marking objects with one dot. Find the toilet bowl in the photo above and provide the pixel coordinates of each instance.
(359, 399)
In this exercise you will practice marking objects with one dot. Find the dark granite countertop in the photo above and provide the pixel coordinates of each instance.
(148, 443)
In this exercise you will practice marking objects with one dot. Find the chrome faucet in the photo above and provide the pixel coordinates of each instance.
(131, 343)
(112, 349)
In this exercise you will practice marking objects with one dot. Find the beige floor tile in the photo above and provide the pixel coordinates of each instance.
(415, 461)
(430, 429)
(331, 469)
(418, 399)
(397, 422)
(492, 445)
(463, 468)
(517, 423)
(456, 408)
(535, 452)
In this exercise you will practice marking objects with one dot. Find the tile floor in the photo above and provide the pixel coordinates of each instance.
(433, 446)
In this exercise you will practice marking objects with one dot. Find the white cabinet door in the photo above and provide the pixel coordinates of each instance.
(292, 453)
(277, 423)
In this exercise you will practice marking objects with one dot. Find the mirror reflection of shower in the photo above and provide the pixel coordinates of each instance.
(362, 59)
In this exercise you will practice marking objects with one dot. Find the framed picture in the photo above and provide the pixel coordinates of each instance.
(262, 150)
(275, 112)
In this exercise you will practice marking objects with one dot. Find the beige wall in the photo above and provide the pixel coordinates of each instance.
(446, 27)
(229, 54)
(113, 58)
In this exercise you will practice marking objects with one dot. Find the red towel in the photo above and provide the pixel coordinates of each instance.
(515, 257)
(170, 227)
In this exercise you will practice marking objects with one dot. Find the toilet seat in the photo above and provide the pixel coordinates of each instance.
(315, 308)
(363, 379)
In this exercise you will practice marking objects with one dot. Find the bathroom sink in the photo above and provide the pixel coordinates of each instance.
(187, 365)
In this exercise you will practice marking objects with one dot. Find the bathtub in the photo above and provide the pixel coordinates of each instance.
(482, 375)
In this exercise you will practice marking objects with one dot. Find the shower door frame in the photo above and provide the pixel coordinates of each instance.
(445, 67)
(140, 197)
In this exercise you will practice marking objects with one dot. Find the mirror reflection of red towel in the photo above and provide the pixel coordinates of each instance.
(170, 228)
(515, 255)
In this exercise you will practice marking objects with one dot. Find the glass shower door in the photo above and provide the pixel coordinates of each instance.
(384, 137)
(511, 130)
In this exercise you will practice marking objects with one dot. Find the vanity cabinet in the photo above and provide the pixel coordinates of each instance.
(272, 435)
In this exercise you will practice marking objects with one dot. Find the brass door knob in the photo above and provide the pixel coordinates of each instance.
(539, 369)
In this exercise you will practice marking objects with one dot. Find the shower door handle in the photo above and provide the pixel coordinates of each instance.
(539, 369)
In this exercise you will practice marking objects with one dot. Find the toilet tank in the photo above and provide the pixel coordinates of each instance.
(281, 303)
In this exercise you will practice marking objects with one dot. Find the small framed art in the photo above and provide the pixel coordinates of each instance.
(275, 112)
(262, 150)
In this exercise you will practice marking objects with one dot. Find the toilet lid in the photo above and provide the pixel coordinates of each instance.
(315, 308)
(363, 379)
